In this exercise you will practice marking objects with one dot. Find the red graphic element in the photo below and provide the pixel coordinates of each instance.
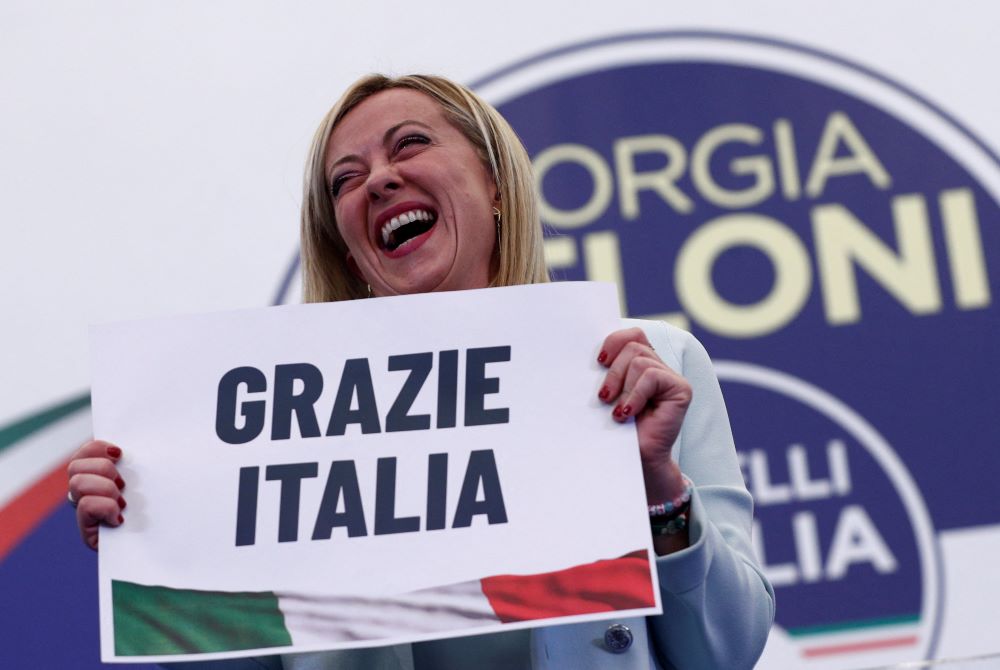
(860, 646)
(603, 586)
(22, 514)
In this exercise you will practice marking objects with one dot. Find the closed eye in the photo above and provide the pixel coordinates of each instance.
(410, 140)
(339, 182)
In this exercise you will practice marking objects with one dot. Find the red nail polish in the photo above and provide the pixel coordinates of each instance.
(626, 410)
(603, 393)
(121, 519)
(119, 482)
(601, 357)
(617, 412)
(114, 452)
(121, 502)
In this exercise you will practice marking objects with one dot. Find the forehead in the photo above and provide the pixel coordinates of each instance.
(369, 121)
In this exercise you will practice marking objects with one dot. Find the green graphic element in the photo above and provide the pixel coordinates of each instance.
(153, 620)
(22, 428)
(854, 625)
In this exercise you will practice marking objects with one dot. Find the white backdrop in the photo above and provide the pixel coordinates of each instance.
(151, 153)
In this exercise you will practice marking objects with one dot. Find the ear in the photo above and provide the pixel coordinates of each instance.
(352, 265)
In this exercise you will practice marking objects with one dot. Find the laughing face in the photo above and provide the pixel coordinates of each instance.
(413, 199)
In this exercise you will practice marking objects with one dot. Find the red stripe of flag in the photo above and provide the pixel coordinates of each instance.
(603, 586)
(20, 516)
(860, 646)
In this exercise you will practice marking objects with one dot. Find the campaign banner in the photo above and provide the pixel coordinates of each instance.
(353, 474)
(831, 236)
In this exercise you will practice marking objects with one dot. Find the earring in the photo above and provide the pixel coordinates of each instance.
(496, 217)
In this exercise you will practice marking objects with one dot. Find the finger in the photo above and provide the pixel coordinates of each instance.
(83, 485)
(103, 467)
(92, 512)
(659, 386)
(615, 379)
(98, 448)
(616, 341)
(93, 476)
(90, 537)
(637, 367)
(96, 458)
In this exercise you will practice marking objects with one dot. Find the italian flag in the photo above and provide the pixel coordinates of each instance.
(156, 620)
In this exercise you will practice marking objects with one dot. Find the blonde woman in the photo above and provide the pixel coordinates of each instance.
(415, 184)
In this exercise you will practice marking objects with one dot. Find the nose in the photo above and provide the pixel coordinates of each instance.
(383, 180)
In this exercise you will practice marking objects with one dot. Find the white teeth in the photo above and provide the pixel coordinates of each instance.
(401, 220)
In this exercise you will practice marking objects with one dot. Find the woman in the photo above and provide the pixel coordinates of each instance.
(415, 184)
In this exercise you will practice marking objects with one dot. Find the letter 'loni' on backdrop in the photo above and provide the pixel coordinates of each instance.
(367, 472)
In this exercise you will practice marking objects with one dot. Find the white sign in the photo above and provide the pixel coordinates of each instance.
(328, 476)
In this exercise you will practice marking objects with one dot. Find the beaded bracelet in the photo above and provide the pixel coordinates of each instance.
(673, 507)
(675, 525)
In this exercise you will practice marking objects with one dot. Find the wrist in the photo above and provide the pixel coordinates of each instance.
(663, 483)
(670, 517)
(672, 507)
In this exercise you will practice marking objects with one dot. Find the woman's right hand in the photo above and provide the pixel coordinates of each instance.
(96, 486)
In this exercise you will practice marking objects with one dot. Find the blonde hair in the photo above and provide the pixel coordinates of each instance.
(325, 274)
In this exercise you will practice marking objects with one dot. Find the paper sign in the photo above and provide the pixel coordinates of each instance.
(368, 472)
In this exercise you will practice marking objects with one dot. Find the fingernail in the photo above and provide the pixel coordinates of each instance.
(603, 393)
(121, 519)
(617, 412)
(114, 452)
(119, 482)
(601, 357)
(121, 502)
(626, 410)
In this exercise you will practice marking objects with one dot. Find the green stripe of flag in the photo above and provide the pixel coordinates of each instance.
(854, 625)
(155, 620)
(22, 428)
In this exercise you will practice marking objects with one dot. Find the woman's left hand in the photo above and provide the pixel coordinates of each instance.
(638, 384)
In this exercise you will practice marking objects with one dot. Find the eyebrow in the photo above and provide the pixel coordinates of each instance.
(385, 140)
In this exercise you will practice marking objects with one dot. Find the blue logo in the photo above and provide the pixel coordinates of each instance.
(841, 526)
(836, 233)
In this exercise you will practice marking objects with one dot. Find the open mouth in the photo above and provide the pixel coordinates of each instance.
(404, 227)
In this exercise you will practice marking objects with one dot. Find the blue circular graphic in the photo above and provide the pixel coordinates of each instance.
(807, 214)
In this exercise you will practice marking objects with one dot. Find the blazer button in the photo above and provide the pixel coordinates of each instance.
(617, 638)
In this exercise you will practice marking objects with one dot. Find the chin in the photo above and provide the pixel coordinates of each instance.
(446, 278)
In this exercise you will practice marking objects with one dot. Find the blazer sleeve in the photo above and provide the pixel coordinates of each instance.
(717, 604)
